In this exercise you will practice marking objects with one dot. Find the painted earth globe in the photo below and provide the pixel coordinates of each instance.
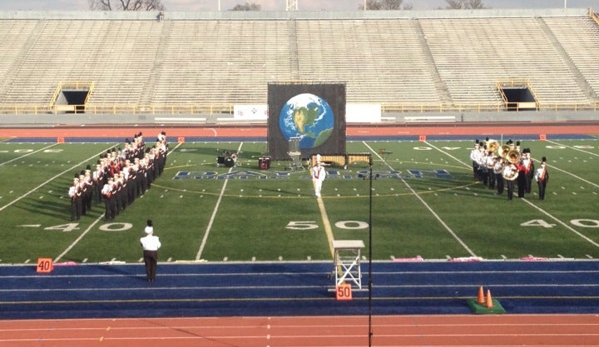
(308, 117)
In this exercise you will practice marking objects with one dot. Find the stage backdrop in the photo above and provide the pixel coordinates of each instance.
(315, 113)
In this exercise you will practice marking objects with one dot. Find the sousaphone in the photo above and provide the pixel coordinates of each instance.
(493, 145)
(504, 150)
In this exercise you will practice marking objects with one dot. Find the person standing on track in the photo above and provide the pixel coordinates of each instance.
(150, 244)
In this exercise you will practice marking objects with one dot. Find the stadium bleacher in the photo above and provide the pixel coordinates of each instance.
(436, 59)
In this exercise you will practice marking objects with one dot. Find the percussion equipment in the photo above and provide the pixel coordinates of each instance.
(264, 163)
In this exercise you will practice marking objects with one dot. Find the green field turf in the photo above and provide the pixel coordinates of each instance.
(202, 211)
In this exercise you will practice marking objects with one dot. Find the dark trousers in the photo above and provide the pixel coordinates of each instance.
(151, 260)
(76, 208)
(542, 186)
(510, 188)
(500, 183)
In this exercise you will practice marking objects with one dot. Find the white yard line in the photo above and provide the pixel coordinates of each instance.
(79, 238)
(53, 178)
(214, 212)
(28, 154)
(439, 219)
(574, 148)
(560, 222)
(535, 206)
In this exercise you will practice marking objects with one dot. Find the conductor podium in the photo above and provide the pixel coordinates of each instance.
(347, 262)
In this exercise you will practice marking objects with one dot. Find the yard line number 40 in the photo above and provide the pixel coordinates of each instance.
(583, 223)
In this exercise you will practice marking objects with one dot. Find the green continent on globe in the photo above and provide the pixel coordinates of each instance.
(322, 137)
(304, 116)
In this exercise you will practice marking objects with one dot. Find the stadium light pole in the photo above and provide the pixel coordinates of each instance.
(370, 258)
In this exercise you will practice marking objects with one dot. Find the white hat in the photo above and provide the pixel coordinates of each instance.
(149, 230)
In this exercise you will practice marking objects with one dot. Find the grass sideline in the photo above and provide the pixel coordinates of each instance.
(424, 203)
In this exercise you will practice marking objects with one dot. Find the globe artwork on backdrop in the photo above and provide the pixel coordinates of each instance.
(308, 117)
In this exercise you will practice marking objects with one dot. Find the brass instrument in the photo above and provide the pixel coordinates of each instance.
(493, 145)
(513, 156)
(510, 172)
(504, 150)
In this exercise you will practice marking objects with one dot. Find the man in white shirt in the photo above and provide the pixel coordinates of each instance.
(318, 176)
(150, 245)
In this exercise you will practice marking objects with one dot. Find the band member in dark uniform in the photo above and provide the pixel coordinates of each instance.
(542, 178)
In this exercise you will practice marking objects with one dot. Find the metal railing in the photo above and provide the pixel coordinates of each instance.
(227, 109)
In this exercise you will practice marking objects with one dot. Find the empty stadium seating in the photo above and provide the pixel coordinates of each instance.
(177, 64)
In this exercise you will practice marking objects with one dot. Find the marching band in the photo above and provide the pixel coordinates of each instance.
(120, 176)
(506, 167)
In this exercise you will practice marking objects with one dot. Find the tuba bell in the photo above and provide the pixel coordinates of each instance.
(510, 172)
(513, 156)
(493, 145)
(504, 150)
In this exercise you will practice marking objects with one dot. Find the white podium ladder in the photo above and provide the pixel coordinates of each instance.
(347, 262)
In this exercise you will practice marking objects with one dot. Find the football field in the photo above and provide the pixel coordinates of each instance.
(421, 203)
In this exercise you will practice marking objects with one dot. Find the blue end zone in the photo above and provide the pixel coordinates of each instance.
(294, 289)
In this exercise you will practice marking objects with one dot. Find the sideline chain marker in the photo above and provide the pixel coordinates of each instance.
(343, 292)
(44, 265)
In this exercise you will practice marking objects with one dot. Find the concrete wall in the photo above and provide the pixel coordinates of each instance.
(49, 120)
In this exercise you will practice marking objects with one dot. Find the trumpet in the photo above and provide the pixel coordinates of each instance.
(513, 156)
(493, 145)
(510, 172)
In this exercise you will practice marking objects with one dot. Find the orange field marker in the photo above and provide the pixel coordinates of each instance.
(481, 295)
(181, 139)
(60, 140)
(489, 302)
(542, 137)
(343, 292)
(44, 265)
(422, 138)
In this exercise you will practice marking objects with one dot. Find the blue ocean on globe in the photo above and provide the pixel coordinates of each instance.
(308, 117)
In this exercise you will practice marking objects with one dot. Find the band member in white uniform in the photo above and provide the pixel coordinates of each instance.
(542, 177)
(150, 244)
(318, 176)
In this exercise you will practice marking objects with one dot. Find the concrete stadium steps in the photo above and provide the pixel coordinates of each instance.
(428, 60)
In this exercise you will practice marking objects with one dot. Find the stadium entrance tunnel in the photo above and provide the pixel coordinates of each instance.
(518, 98)
(71, 101)
(72, 96)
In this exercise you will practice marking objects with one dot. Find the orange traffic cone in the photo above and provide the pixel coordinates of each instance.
(481, 295)
(489, 302)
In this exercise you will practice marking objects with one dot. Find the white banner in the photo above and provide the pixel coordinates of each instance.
(250, 112)
(354, 113)
(362, 113)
